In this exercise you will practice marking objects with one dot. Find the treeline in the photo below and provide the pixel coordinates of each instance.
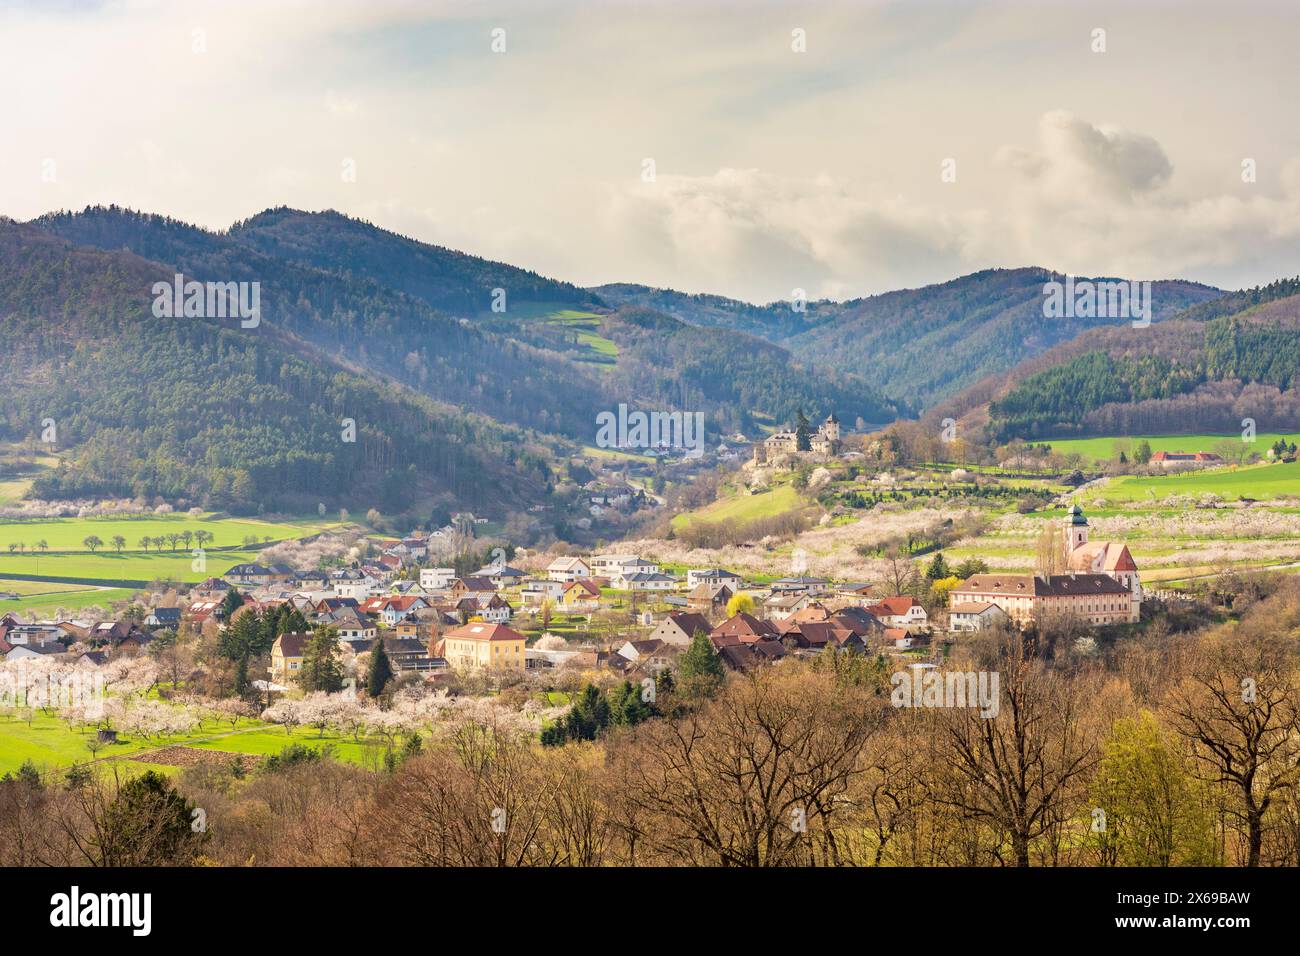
(1070, 398)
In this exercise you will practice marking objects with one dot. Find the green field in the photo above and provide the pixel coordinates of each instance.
(1262, 482)
(68, 558)
(1103, 449)
(743, 506)
(52, 745)
(71, 600)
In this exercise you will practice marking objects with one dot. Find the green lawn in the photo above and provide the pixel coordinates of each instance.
(1262, 482)
(128, 566)
(1103, 449)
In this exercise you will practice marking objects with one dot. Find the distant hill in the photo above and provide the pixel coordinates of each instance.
(1209, 367)
(218, 416)
(916, 345)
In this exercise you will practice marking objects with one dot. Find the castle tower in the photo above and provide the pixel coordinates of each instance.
(1076, 530)
(831, 428)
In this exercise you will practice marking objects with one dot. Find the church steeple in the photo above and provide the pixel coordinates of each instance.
(1076, 530)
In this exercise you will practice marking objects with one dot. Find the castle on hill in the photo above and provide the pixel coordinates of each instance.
(825, 442)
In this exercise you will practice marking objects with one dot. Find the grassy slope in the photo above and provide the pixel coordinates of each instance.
(1103, 449)
(1262, 482)
(742, 506)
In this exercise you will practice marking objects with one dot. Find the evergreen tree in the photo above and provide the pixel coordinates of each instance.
(802, 432)
(381, 669)
(938, 568)
(699, 671)
(321, 669)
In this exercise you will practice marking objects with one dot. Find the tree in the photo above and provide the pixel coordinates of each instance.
(1240, 712)
(144, 542)
(969, 568)
(1142, 454)
(699, 672)
(92, 542)
(381, 669)
(149, 824)
(802, 432)
(740, 604)
(321, 669)
(937, 569)
(119, 542)
(1049, 552)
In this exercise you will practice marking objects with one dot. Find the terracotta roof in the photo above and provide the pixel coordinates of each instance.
(745, 626)
(484, 632)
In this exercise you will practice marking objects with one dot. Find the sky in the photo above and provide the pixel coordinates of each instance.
(743, 149)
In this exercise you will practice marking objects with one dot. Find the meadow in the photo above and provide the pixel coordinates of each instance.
(742, 506)
(67, 557)
(1097, 450)
(52, 744)
(1261, 482)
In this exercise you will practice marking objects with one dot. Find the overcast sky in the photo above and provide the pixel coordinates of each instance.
(773, 169)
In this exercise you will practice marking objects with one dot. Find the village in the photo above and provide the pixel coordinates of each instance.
(621, 613)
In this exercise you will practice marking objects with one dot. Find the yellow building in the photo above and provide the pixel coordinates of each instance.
(482, 645)
(286, 655)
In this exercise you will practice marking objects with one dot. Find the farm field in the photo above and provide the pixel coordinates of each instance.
(1261, 482)
(73, 599)
(68, 558)
(69, 534)
(1103, 449)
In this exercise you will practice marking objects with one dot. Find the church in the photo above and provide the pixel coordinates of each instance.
(1101, 586)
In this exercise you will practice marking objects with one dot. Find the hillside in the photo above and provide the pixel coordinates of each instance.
(1208, 368)
(920, 345)
(204, 412)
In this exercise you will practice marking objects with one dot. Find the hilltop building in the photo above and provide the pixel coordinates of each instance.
(824, 442)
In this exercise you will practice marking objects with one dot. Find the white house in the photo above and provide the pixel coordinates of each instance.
(713, 576)
(642, 581)
(437, 579)
(898, 611)
(568, 569)
(975, 616)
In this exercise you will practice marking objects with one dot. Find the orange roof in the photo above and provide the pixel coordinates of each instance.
(479, 631)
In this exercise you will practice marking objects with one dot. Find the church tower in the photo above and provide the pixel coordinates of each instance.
(831, 428)
(1076, 530)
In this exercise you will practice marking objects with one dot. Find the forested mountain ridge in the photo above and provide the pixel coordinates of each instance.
(919, 345)
(1212, 366)
(203, 412)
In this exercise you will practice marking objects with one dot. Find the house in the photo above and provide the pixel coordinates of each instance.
(568, 569)
(643, 581)
(608, 564)
(503, 576)
(348, 622)
(709, 597)
(394, 609)
(744, 628)
(652, 655)
(495, 609)
(169, 617)
(211, 589)
(780, 606)
(483, 645)
(410, 654)
(747, 657)
(437, 579)
(249, 575)
(975, 616)
(472, 586)
(800, 585)
(286, 655)
(579, 596)
(20, 652)
(1171, 459)
(679, 628)
(698, 576)
(538, 592)
(899, 611)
